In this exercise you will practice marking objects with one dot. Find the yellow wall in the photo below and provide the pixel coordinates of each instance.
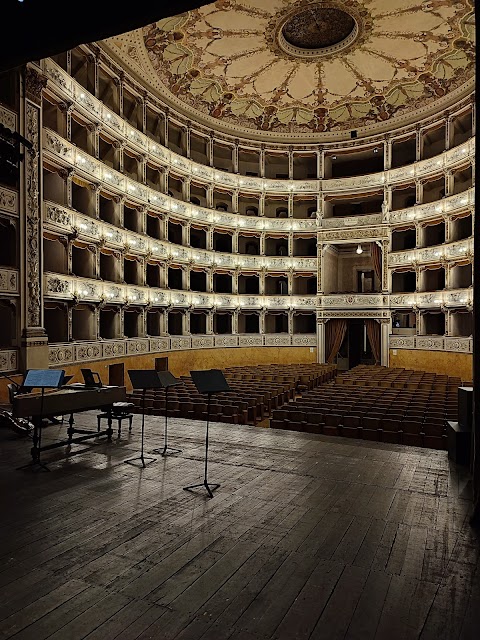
(444, 362)
(180, 363)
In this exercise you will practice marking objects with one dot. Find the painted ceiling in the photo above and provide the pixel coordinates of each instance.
(303, 66)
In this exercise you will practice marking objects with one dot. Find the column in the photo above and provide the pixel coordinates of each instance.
(290, 322)
(210, 150)
(449, 182)
(188, 141)
(209, 322)
(34, 347)
(261, 321)
(384, 339)
(290, 205)
(290, 163)
(418, 144)
(384, 247)
(186, 189)
(165, 132)
(321, 357)
(209, 197)
(387, 154)
(262, 243)
(235, 157)
(319, 155)
(235, 201)
(235, 321)
(419, 191)
(262, 161)
(449, 129)
(261, 204)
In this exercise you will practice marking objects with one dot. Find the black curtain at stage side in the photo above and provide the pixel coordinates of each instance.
(32, 30)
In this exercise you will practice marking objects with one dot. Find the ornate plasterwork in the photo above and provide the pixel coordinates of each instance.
(222, 64)
(8, 360)
(9, 281)
(8, 200)
(8, 118)
(32, 210)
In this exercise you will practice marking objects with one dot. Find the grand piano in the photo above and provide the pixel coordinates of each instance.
(66, 401)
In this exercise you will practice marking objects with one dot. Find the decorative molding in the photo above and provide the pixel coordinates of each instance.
(355, 221)
(35, 82)
(250, 340)
(280, 340)
(9, 282)
(8, 360)
(432, 343)
(73, 352)
(8, 200)
(360, 301)
(8, 118)
(452, 251)
(402, 342)
(32, 205)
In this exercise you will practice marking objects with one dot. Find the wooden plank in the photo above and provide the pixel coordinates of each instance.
(336, 616)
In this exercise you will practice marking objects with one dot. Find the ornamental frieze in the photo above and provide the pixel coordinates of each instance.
(9, 281)
(8, 360)
(402, 342)
(8, 118)
(250, 341)
(58, 215)
(61, 354)
(354, 234)
(8, 200)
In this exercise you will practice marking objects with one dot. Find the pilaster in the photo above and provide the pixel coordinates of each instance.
(34, 342)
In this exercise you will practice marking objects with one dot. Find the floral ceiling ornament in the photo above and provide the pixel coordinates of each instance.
(304, 66)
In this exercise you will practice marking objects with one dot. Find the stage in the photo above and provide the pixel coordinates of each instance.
(307, 537)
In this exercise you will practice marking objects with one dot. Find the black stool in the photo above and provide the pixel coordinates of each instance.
(120, 411)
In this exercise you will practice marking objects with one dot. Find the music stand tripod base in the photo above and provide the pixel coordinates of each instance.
(140, 462)
(166, 451)
(208, 487)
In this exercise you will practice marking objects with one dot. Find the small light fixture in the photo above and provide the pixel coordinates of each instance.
(375, 150)
(359, 249)
(334, 157)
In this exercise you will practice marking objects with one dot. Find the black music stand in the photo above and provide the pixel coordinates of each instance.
(209, 382)
(167, 380)
(142, 379)
(41, 379)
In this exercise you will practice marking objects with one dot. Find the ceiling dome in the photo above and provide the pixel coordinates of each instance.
(317, 27)
(309, 69)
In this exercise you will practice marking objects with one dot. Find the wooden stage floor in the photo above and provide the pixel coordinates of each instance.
(307, 537)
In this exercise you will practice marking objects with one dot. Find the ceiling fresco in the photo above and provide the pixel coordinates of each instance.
(303, 66)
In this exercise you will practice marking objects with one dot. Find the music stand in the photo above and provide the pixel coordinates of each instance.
(41, 379)
(142, 379)
(167, 380)
(209, 382)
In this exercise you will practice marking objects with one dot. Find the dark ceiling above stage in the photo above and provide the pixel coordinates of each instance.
(35, 29)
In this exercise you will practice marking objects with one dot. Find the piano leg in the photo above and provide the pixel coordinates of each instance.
(70, 429)
(109, 427)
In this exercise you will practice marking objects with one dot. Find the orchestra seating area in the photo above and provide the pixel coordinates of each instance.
(256, 392)
(399, 406)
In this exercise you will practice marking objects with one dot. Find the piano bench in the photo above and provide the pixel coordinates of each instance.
(119, 416)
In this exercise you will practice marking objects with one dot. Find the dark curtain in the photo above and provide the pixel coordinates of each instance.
(374, 337)
(334, 334)
(377, 261)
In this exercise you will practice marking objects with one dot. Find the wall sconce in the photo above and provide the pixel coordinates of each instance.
(359, 249)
